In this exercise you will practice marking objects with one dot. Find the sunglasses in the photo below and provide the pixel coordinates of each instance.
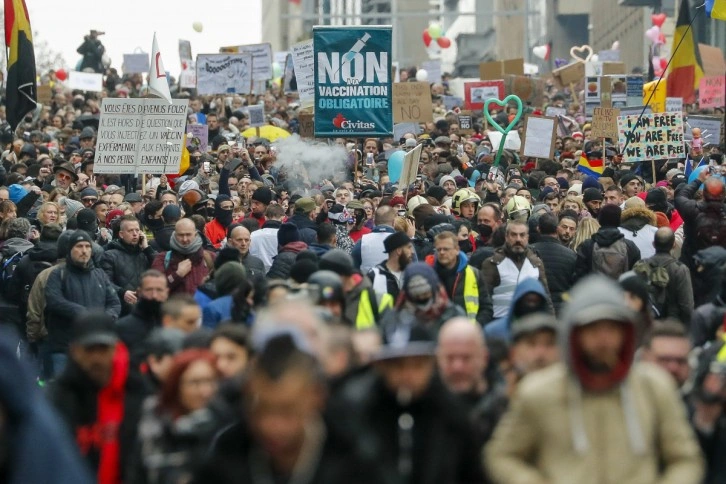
(64, 176)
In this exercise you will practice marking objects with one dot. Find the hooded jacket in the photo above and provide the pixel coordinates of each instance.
(284, 260)
(639, 225)
(263, 243)
(502, 328)
(41, 448)
(605, 237)
(306, 227)
(72, 290)
(569, 425)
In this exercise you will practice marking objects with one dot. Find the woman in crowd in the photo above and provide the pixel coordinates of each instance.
(585, 229)
(49, 213)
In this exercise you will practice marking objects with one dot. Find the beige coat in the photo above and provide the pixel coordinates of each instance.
(535, 443)
(35, 322)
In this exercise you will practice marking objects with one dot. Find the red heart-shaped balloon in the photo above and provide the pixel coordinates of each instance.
(427, 37)
(658, 19)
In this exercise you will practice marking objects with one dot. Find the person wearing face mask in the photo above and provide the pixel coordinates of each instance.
(216, 230)
(133, 328)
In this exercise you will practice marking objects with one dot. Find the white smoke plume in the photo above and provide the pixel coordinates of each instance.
(322, 161)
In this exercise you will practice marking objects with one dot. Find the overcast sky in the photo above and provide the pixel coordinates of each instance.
(131, 23)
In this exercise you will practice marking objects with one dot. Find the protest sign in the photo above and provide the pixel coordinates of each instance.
(307, 125)
(499, 69)
(658, 92)
(289, 83)
(555, 111)
(140, 136)
(353, 94)
(528, 89)
(402, 128)
(571, 73)
(604, 123)
(304, 62)
(617, 88)
(710, 127)
(711, 92)
(45, 94)
(188, 76)
(85, 81)
(712, 60)
(634, 90)
(433, 69)
(412, 102)
(539, 137)
(224, 73)
(674, 104)
(466, 123)
(477, 92)
(593, 94)
(651, 137)
(185, 50)
(609, 56)
(452, 102)
(257, 115)
(635, 110)
(410, 166)
(136, 63)
(198, 136)
(261, 59)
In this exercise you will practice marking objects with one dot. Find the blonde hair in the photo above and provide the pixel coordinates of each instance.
(572, 199)
(44, 207)
(585, 230)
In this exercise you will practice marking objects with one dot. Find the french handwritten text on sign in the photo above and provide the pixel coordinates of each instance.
(304, 62)
(140, 135)
(605, 123)
(711, 92)
(262, 56)
(412, 102)
(224, 73)
(653, 137)
(539, 137)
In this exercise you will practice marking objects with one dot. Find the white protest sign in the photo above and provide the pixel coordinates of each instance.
(555, 111)
(188, 76)
(257, 115)
(710, 127)
(402, 128)
(539, 137)
(140, 136)
(304, 62)
(410, 166)
(262, 59)
(185, 50)
(224, 73)
(136, 63)
(651, 137)
(674, 104)
(433, 69)
(85, 81)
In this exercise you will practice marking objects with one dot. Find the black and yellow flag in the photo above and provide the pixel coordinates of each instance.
(21, 90)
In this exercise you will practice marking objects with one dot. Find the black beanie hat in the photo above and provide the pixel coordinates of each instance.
(437, 192)
(627, 178)
(656, 200)
(287, 233)
(79, 236)
(86, 220)
(609, 216)
(262, 195)
(337, 261)
(302, 269)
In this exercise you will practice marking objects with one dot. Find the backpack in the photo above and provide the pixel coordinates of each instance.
(711, 227)
(611, 260)
(657, 278)
(10, 287)
(28, 279)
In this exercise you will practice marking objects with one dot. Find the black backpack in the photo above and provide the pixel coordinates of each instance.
(711, 227)
(10, 286)
(611, 260)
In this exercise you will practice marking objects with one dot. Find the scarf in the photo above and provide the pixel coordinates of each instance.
(190, 249)
(110, 415)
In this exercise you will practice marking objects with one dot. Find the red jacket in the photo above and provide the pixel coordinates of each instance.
(202, 264)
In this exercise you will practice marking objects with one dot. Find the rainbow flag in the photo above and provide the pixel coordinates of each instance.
(590, 167)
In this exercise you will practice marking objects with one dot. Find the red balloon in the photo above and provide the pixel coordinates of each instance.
(663, 63)
(658, 19)
(61, 74)
(444, 42)
(427, 37)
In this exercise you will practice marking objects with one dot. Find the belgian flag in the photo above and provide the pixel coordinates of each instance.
(21, 89)
(686, 69)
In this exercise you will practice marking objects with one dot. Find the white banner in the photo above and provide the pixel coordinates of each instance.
(262, 56)
(136, 63)
(85, 81)
(224, 74)
(304, 62)
(140, 136)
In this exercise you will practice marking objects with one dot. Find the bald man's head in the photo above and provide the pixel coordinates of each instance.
(664, 240)
(185, 232)
(462, 356)
(713, 190)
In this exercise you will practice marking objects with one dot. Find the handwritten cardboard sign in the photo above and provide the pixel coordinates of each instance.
(605, 123)
(307, 125)
(711, 92)
(412, 102)
(651, 137)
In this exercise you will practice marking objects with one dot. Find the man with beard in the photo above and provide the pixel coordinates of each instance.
(146, 315)
(461, 281)
(592, 198)
(567, 227)
(488, 221)
(216, 230)
(187, 264)
(597, 416)
(462, 359)
(386, 277)
(126, 258)
(509, 265)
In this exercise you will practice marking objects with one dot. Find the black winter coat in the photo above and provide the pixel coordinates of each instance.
(284, 260)
(73, 290)
(605, 237)
(162, 238)
(559, 263)
(124, 264)
(307, 228)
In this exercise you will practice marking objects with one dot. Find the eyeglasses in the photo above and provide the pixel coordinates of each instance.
(63, 176)
(89, 200)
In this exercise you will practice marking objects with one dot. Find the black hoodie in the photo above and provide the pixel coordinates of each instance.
(605, 237)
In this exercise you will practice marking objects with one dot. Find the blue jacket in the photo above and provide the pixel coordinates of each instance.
(217, 311)
(502, 328)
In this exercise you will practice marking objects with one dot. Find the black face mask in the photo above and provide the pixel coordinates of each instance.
(484, 231)
(149, 309)
(223, 216)
(466, 246)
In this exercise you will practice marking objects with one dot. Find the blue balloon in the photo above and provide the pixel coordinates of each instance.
(395, 166)
(695, 173)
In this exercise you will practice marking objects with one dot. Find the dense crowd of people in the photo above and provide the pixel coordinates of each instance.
(258, 318)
